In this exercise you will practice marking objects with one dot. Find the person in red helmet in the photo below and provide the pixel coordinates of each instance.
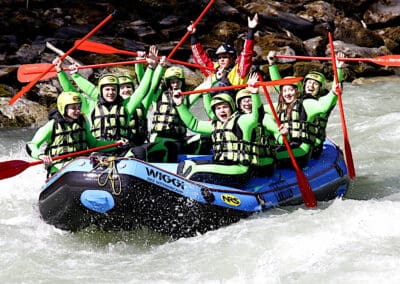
(236, 70)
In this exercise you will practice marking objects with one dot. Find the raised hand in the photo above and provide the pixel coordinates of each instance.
(177, 98)
(252, 23)
(340, 63)
(271, 57)
(251, 82)
(191, 29)
(152, 59)
(58, 64)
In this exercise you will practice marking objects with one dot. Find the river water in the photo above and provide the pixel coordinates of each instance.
(350, 240)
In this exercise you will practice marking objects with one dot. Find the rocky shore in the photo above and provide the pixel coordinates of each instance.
(363, 29)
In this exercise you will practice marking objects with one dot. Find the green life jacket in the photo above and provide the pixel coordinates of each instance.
(300, 130)
(166, 120)
(109, 124)
(66, 137)
(228, 143)
(138, 126)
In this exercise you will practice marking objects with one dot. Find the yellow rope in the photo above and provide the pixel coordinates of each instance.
(110, 173)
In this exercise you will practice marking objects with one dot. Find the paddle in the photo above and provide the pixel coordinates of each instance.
(284, 81)
(347, 148)
(28, 72)
(41, 75)
(195, 23)
(60, 53)
(97, 47)
(11, 168)
(306, 192)
(385, 60)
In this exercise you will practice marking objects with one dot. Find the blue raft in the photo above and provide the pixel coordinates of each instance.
(125, 194)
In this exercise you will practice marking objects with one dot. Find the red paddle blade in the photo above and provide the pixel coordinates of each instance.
(308, 196)
(12, 168)
(387, 60)
(349, 160)
(97, 47)
(29, 72)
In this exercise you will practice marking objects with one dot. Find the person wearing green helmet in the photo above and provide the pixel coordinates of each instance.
(314, 87)
(233, 149)
(297, 116)
(167, 126)
(67, 131)
(138, 122)
(109, 115)
(226, 66)
(264, 137)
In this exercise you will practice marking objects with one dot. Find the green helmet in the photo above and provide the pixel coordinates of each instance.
(174, 72)
(125, 79)
(107, 79)
(317, 76)
(242, 94)
(67, 98)
(298, 84)
(221, 98)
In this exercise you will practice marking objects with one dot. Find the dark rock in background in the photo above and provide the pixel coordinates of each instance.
(362, 28)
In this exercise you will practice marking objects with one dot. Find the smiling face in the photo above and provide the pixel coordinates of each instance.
(289, 93)
(245, 104)
(125, 90)
(72, 111)
(109, 93)
(312, 87)
(222, 111)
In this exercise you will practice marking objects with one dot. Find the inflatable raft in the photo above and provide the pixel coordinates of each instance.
(125, 194)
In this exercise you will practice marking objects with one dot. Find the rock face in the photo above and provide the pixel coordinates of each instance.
(364, 28)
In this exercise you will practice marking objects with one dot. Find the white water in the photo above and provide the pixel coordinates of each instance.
(355, 240)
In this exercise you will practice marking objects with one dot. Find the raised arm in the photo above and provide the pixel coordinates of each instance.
(245, 59)
(136, 98)
(191, 122)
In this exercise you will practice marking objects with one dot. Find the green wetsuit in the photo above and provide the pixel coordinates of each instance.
(235, 172)
(45, 135)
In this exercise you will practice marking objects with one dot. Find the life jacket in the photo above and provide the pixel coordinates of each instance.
(138, 126)
(300, 130)
(109, 124)
(166, 120)
(228, 143)
(231, 73)
(264, 143)
(66, 137)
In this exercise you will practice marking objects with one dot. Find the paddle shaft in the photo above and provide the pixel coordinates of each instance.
(194, 24)
(308, 196)
(385, 60)
(14, 167)
(27, 72)
(347, 148)
(97, 47)
(33, 82)
(60, 53)
(258, 84)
